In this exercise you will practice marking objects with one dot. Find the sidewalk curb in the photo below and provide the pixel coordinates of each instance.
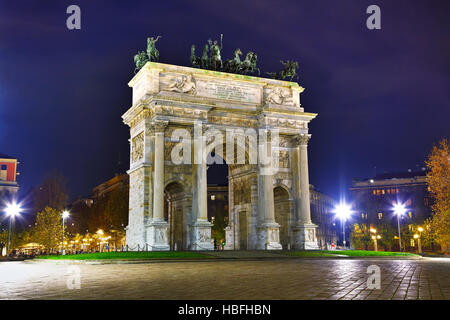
(144, 261)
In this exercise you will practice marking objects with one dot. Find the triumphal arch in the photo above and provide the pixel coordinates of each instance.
(181, 119)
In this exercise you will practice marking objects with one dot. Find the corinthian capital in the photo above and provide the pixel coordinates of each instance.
(301, 140)
(159, 126)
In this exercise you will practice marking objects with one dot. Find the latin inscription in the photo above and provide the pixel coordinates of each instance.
(229, 92)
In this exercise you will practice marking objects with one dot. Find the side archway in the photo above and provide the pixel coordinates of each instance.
(283, 210)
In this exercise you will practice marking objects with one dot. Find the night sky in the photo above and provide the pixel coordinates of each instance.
(382, 95)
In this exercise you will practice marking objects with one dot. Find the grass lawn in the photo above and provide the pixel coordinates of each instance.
(349, 253)
(308, 254)
(129, 255)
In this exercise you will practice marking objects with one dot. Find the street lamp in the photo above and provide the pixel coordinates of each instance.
(343, 212)
(399, 210)
(418, 237)
(65, 215)
(12, 210)
(375, 238)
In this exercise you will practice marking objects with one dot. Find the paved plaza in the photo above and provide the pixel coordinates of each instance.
(263, 279)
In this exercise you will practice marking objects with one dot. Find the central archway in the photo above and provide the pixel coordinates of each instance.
(217, 177)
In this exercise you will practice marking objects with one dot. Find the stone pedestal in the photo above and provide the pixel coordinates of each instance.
(157, 235)
(305, 237)
(229, 238)
(202, 236)
(269, 237)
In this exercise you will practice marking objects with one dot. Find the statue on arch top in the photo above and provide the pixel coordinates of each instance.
(216, 59)
(140, 59)
(152, 52)
(289, 71)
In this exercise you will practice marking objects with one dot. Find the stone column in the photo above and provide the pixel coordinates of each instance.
(305, 232)
(159, 238)
(268, 230)
(253, 236)
(158, 182)
(202, 227)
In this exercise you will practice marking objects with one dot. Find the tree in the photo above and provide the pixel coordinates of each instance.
(48, 228)
(438, 179)
(3, 239)
(116, 208)
(52, 192)
(387, 233)
(360, 236)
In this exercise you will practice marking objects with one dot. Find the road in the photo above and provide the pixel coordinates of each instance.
(263, 279)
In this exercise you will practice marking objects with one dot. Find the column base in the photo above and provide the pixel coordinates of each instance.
(268, 237)
(229, 241)
(202, 236)
(305, 237)
(157, 235)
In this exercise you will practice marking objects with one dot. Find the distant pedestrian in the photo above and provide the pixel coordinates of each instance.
(215, 243)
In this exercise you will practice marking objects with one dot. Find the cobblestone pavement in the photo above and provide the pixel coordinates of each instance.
(274, 279)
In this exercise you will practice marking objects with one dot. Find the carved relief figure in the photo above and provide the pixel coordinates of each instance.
(203, 235)
(279, 96)
(273, 236)
(284, 159)
(137, 147)
(160, 235)
(186, 85)
(310, 235)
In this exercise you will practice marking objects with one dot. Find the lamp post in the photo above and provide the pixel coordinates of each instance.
(419, 236)
(399, 210)
(65, 215)
(343, 212)
(12, 210)
(375, 238)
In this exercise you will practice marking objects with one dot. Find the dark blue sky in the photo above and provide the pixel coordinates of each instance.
(382, 96)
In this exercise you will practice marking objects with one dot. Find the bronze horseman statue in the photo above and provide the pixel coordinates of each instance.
(211, 59)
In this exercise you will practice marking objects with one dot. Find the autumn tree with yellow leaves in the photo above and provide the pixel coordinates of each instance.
(438, 179)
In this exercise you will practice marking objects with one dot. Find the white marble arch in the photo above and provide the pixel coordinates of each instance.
(214, 100)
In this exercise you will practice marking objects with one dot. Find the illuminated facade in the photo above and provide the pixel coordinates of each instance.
(8, 176)
(374, 198)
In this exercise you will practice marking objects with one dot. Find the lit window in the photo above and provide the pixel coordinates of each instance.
(378, 192)
(374, 192)
(382, 191)
(380, 215)
(362, 215)
(410, 214)
(412, 243)
(213, 197)
(388, 191)
(397, 191)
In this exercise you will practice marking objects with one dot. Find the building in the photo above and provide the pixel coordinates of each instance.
(87, 212)
(102, 190)
(374, 198)
(322, 207)
(8, 176)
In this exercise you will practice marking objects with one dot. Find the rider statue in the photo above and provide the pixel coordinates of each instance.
(152, 52)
